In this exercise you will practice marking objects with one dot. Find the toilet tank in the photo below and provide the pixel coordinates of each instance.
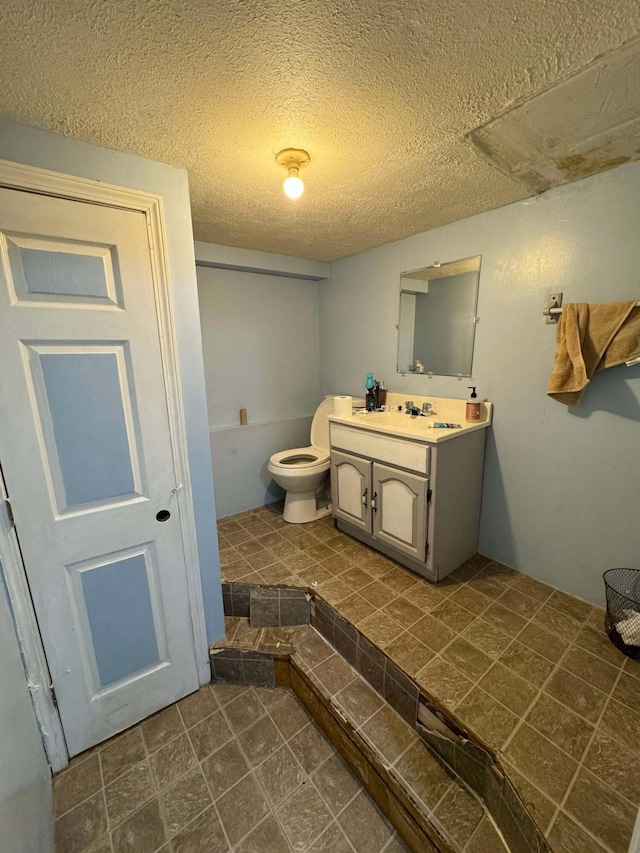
(320, 424)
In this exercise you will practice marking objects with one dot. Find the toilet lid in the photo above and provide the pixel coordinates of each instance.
(320, 424)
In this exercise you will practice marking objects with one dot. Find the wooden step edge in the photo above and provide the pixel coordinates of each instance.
(414, 829)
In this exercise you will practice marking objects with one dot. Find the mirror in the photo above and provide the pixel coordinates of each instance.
(438, 318)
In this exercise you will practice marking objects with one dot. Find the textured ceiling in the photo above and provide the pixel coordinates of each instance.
(381, 92)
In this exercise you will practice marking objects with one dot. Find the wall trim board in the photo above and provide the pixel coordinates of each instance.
(33, 179)
(223, 427)
(259, 270)
(264, 263)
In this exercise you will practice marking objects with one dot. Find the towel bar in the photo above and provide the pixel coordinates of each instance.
(555, 311)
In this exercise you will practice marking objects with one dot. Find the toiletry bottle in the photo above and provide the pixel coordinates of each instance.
(370, 385)
(473, 405)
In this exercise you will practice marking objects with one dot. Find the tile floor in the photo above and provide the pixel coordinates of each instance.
(525, 667)
(228, 768)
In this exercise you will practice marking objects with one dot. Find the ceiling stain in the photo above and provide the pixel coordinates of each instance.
(581, 166)
(583, 124)
(382, 95)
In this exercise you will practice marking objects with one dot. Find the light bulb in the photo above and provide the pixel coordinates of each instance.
(293, 185)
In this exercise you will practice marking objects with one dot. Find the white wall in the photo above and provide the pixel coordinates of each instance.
(562, 487)
(25, 780)
(50, 151)
(261, 352)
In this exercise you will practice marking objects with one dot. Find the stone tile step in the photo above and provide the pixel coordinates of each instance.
(457, 819)
(468, 759)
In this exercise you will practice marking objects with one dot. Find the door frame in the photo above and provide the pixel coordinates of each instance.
(45, 182)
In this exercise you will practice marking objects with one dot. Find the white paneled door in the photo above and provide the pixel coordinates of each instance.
(86, 453)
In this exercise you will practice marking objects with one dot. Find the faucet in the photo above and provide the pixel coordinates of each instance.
(410, 409)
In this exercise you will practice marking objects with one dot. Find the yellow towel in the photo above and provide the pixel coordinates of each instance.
(591, 337)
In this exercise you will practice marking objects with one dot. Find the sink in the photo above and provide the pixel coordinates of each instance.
(396, 420)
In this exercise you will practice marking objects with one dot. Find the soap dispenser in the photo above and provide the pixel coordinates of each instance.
(473, 405)
(370, 385)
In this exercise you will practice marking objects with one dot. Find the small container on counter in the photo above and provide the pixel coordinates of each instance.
(473, 405)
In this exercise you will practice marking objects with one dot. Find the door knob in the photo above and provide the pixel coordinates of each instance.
(163, 515)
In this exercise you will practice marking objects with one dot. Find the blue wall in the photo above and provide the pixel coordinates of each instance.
(561, 486)
(260, 335)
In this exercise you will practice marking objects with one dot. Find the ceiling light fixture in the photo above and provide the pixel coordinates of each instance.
(293, 159)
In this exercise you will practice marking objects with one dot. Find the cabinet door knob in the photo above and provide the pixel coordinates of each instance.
(373, 502)
(364, 498)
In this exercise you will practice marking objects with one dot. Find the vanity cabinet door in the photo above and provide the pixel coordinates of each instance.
(400, 510)
(351, 489)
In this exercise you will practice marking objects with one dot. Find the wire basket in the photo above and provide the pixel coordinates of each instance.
(622, 620)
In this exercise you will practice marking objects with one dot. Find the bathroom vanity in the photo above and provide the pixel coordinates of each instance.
(408, 490)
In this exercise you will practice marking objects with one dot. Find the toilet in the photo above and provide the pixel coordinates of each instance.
(303, 472)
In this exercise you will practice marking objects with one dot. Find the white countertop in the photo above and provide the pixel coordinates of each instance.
(399, 424)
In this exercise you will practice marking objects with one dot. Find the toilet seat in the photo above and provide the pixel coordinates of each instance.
(300, 457)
